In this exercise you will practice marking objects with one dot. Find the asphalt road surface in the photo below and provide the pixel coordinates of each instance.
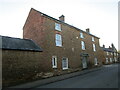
(105, 78)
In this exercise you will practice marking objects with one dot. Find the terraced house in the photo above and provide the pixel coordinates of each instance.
(65, 46)
(110, 55)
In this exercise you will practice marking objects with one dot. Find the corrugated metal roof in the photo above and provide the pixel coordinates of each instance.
(19, 44)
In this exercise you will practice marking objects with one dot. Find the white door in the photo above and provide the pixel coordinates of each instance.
(84, 62)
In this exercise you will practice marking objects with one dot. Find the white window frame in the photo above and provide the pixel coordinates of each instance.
(115, 59)
(63, 63)
(94, 47)
(111, 53)
(58, 40)
(107, 53)
(54, 61)
(81, 35)
(83, 45)
(57, 26)
(111, 60)
(106, 60)
(95, 61)
(93, 39)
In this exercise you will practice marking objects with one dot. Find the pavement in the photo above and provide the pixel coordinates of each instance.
(55, 79)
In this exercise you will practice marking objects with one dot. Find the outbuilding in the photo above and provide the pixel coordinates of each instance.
(21, 59)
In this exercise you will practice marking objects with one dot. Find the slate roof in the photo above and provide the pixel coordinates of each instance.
(11, 43)
(64, 23)
(107, 49)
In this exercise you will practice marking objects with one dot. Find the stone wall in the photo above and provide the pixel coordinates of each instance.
(20, 66)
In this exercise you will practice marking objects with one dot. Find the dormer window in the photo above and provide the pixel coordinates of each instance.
(81, 35)
(57, 27)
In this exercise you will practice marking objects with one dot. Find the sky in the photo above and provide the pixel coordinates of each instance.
(101, 16)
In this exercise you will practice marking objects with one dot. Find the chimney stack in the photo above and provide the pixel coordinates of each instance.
(88, 30)
(103, 46)
(62, 18)
(112, 45)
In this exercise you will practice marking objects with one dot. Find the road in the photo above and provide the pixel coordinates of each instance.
(104, 78)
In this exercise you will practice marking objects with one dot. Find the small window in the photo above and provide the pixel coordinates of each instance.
(65, 63)
(107, 53)
(93, 39)
(54, 61)
(115, 59)
(57, 26)
(94, 47)
(58, 40)
(111, 53)
(83, 45)
(114, 54)
(95, 61)
(111, 60)
(106, 60)
(73, 49)
(81, 35)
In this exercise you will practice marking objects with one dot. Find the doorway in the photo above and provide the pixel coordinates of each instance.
(84, 62)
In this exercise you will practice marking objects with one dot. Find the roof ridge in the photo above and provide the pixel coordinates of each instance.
(64, 22)
(19, 44)
(15, 37)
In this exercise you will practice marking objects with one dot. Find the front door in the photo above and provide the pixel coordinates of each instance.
(84, 62)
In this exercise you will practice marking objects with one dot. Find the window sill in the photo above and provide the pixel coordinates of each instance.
(54, 67)
(82, 38)
(59, 46)
(58, 30)
(65, 68)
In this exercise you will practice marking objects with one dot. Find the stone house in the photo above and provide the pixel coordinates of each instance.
(119, 57)
(110, 55)
(65, 46)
